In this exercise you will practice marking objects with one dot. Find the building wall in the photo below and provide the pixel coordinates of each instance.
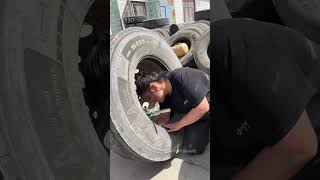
(115, 20)
(178, 7)
(153, 8)
(167, 10)
(173, 9)
(202, 4)
(121, 4)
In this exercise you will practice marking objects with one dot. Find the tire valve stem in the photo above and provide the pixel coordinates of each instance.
(149, 114)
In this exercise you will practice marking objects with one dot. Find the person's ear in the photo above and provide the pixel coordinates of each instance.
(162, 80)
(153, 88)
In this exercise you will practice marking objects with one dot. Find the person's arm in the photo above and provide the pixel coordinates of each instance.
(283, 160)
(195, 114)
(191, 117)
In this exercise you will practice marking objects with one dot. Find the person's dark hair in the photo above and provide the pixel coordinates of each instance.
(143, 80)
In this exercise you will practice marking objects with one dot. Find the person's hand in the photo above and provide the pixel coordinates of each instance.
(171, 127)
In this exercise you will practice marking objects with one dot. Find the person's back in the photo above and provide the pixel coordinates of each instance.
(189, 87)
(263, 77)
(185, 92)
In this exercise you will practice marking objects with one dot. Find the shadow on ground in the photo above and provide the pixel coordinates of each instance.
(183, 167)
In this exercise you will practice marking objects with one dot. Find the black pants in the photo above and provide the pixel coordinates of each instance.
(196, 136)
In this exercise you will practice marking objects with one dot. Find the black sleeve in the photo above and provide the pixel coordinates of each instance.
(194, 85)
(255, 72)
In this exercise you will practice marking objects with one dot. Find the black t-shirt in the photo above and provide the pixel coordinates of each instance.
(261, 84)
(189, 87)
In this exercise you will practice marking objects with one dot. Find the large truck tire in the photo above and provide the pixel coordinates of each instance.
(134, 19)
(163, 33)
(155, 23)
(46, 132)
(137, 135)
(183, 25)
(201, 57)
(196, 28)
(202, 15)
(301, 15)
(207, 22)
(189, 37)
(202, 25)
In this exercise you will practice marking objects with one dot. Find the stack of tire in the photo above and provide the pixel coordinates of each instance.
(132, 134)
(188, 33)
(134, 21)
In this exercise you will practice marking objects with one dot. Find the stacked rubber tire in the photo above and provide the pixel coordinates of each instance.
(134, 21)
(190, 34)
(132, 134)
(46, 132)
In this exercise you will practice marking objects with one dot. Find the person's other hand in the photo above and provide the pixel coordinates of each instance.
(171, 127)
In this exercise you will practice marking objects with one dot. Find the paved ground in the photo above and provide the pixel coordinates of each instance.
(183, 167)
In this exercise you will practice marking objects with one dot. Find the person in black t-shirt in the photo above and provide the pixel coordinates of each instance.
(264, 78)
(184, 91)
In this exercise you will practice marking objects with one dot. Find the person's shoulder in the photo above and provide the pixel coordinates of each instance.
(183, 71)
(176, 72)
(186, 73)
(179, 74)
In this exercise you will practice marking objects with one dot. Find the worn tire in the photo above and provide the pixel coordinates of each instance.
(167, 30)
(190, 37)
(46, 132)
(155, 23)
(301, 15)
(203, 23)
(197, 28)
(134, 19)
(163, 33)
(201, 57)
(183, 25)
(207, 22)
(134, 25)
(202, 15)
(138, 137)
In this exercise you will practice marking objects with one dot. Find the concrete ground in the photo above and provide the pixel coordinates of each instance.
(183, 167)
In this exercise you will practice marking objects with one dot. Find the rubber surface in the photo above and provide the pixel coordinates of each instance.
(301, 15)
(138, 137)
(219, 11)
(134, 19)
(262, 10)
(202, 15)
(185, 35)
(155, 23)
(199, 28)
(201, 57)
(44, 120)
(163, 33)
